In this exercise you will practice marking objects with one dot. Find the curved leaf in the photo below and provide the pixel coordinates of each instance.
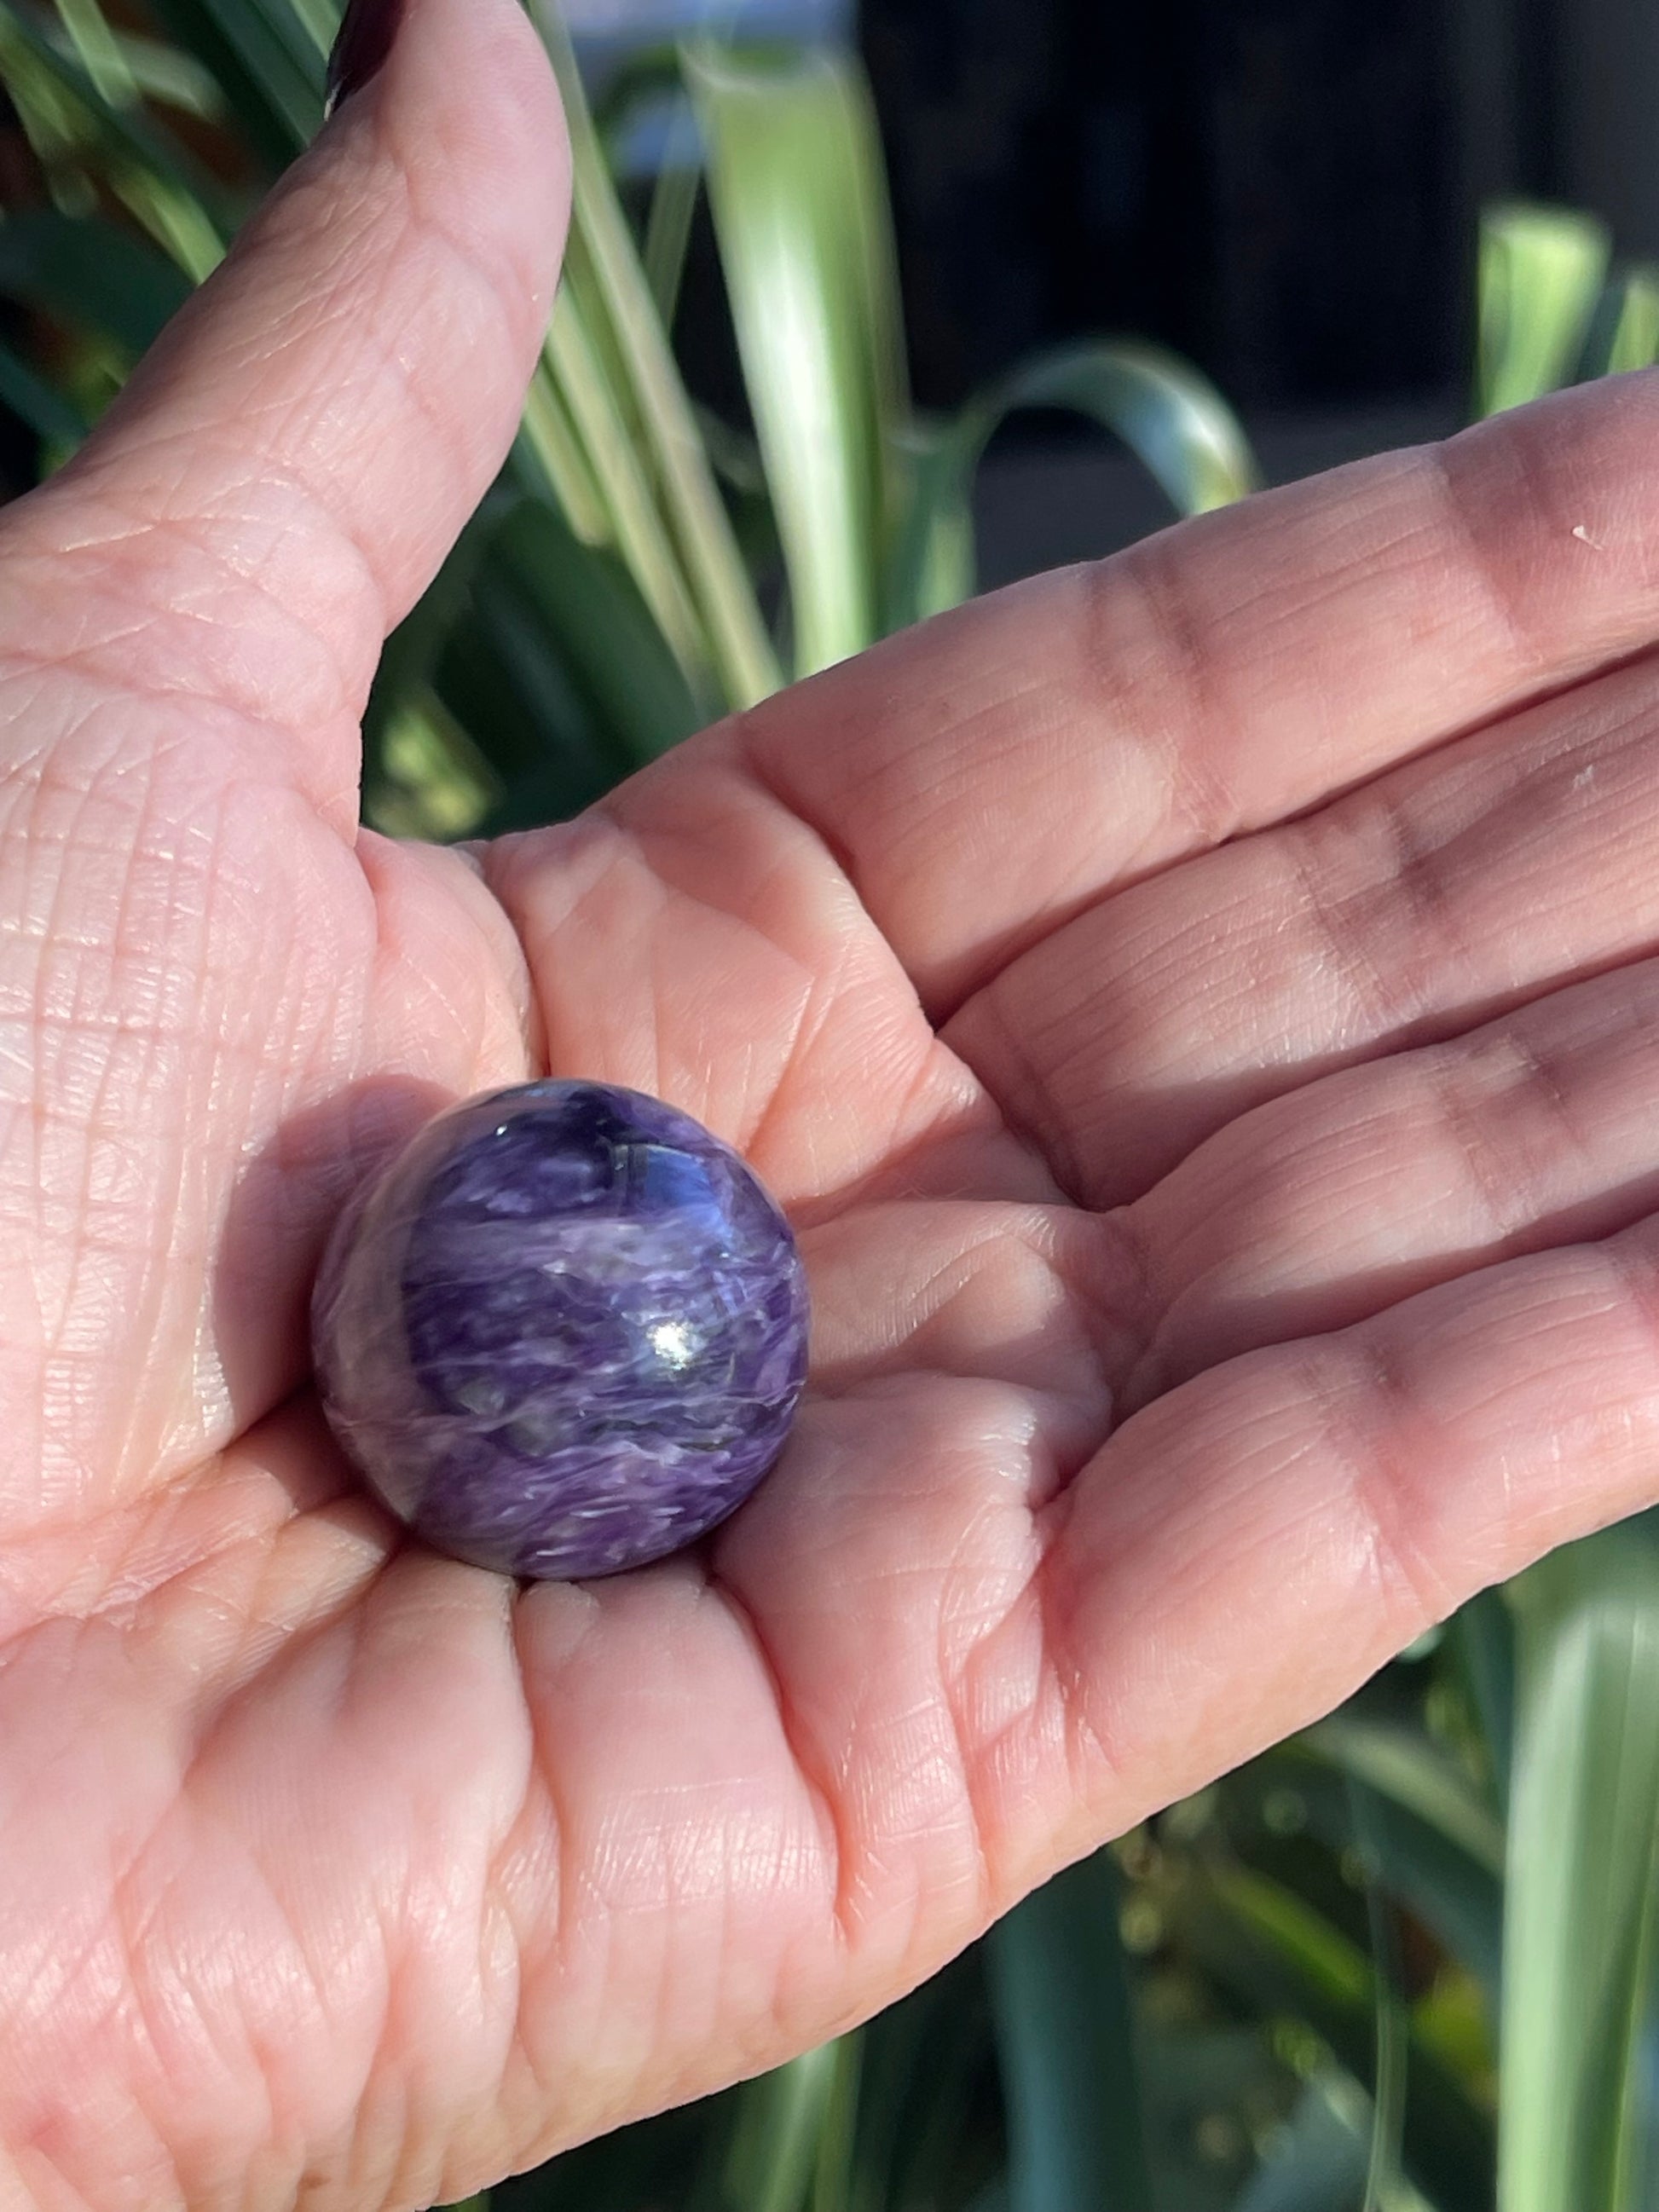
(1404, 1766)
(1169, 416)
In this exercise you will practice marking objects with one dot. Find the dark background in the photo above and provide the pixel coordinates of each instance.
(1283, 189)
(1287, 191)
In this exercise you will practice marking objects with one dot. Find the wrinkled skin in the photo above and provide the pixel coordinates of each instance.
(1199, 1011)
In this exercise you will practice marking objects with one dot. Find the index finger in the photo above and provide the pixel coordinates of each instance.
(988, 776)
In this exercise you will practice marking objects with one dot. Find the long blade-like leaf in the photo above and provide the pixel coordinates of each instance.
(268, 59)
(798, 198)
(1403, 1765)
(630, 351)
(1064, 2037)
(1623, 332)
(589, 390)
(175, 198)
(1540, 274)
(1318, 2165)
(778, 2145)
(1438, 1850)
(1584, 1861)
(585, 603)
(1274, 1950)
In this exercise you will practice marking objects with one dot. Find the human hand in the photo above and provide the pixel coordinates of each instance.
(1199, 1011)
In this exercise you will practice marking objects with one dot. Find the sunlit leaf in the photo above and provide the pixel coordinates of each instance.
(1540, 272)
(589, 388)
(71, 124)
(99, 51)
(1624, 330)
(1583, 1880)
(800, 203)
(625, 343)
(787, 2129)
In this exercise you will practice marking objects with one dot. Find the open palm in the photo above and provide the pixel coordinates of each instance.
(1199, 1011)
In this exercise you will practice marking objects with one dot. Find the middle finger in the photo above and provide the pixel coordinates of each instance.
(1512, 861)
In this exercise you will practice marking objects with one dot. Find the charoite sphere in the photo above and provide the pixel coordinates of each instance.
(564, 1332)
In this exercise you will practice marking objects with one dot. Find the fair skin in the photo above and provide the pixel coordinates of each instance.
(1200, 1012)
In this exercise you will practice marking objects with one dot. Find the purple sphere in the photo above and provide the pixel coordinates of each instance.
(564, 1332)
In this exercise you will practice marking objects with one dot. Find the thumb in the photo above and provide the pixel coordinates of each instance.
(295, 456)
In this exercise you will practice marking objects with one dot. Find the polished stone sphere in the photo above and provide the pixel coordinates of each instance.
(564, 1332)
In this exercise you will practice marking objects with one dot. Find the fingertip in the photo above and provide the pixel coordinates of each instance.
(463, 90)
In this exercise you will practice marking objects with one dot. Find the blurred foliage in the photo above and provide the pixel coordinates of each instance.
(1407, 1961)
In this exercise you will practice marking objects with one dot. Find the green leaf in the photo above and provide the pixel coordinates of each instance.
(613, 355)
(99, 51)
(1636, 334)
(423, 773)
(268, 59)
(798, 195)
(1438, 1850)
(591, 392)
(1539, 274)
(1061, 2001)
(1481, 1647)
(509, 691)
(668, 235)
(1169, 416)
(171, 77)
(921, 2092)
(1583, 1878)
(542, 651)
(1276, 1954)
(1623, 332)
(90, 273)
(430, 780)
(1402, 1764)
(789, 2133)
(585, 605)
(1384, 2177)
(648, 84)
(71, 125)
